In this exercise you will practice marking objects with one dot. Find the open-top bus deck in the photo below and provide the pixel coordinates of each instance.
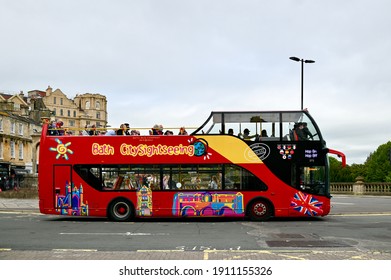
(258, 164)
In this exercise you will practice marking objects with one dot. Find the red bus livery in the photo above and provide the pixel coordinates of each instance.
(281, 170)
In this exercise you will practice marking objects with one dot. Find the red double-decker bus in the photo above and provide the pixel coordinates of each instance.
(255, 164)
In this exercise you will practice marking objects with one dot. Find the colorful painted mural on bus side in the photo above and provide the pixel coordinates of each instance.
(204, 203)
(71, 203)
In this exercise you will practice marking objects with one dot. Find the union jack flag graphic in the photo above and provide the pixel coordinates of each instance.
(306, 204)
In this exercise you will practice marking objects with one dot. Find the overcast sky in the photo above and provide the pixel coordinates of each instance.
(174, 61)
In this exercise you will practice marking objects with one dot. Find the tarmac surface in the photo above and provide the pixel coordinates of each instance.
(32, 206)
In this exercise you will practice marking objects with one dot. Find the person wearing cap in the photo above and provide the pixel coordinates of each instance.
(156, 130)
(126, 131)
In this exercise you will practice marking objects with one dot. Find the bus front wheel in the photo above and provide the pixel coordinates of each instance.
(260, 210)
(120, 210)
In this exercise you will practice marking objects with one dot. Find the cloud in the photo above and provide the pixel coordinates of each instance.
(172, 62)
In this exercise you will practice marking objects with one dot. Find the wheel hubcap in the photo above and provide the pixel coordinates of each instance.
(259, 209)
(121, 210)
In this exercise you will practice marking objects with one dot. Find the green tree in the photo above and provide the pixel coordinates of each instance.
(378, 165)
(339, 173)
(357, 170)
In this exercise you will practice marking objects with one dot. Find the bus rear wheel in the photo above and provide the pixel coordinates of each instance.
(120, 210)
(260, 210)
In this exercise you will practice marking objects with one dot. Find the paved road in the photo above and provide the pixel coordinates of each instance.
(341, 204)
(357, 228)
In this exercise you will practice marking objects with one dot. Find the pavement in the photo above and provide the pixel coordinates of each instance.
(19, 204)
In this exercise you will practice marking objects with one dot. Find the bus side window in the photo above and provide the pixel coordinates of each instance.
(118, 183)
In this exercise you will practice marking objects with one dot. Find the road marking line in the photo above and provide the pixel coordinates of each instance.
(342, 203)
(160, 251)
(361, 214)
(5, 249)
(75, 250)
(114, 233)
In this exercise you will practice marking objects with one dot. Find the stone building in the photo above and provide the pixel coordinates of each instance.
(20, 123)
(17, 143)
(84, 109)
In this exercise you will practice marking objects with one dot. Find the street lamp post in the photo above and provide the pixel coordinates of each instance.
(302, 74)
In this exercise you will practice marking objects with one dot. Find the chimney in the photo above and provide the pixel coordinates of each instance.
(49, 91)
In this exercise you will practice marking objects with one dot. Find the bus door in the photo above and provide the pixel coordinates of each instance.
(62, 185)
(310, 181)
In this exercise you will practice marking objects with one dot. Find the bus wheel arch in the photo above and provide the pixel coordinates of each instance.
(120, 209)
(260, 209)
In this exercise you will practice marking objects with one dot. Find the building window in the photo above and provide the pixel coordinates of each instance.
(71, 123)
(1, 150)
(1, 124)
(61, 101)
(98, 115)
(12, 144)
(20, 129)
(97, 105)
(12, 127)
(54, 111)
(87, 104)
(61, 112)
(54, 100)
(74, 114)
(21, 146)
(69, 113)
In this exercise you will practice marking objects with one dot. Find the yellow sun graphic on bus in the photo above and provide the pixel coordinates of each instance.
(62, 149)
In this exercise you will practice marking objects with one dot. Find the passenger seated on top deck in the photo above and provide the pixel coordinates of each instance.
(121, 130)
(93, 130)
(156, 130)
(230, 131)
(182, 131)
(127, 128)
(59, 125)
(264, 133)
(85, 131)
(52, 128)
(111, 132)
(246, 135)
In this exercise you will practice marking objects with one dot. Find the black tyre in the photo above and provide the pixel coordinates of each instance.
(260, 210)
(120, 210)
